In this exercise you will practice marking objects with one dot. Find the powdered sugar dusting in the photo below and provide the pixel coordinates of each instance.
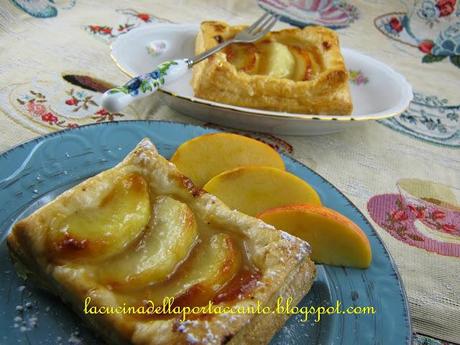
(198, 332)
(288, 237)
(142, 158)
(265, 225)
(26, 318)
(210, 336)
(259, 283)
(186, 328)
(271, 274)
(146, 143)
(142, 155)
(191, 338)
(304, 250)
(74, 339)
(211, 201)
(303, 247)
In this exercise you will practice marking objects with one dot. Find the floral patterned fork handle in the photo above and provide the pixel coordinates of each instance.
(114, 100)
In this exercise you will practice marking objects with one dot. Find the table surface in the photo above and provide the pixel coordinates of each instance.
(402, 173)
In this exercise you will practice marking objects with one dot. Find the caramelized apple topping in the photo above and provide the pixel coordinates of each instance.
(165, 243)
(287, 60)
(240, 286)
(147, 248)
(103, 231)
(208, 269)
(244, 56)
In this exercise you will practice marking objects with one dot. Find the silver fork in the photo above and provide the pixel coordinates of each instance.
(118, 98)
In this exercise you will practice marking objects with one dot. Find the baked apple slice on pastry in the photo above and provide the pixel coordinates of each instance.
(243, 56)
(103, 225)
(213, 263)
(165, 242)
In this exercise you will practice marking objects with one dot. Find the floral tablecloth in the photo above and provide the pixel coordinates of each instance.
(403, 173)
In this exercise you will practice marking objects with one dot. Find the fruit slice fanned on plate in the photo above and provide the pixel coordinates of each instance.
(252, 189)
(206, 156)
(334, 239)
(166, 242)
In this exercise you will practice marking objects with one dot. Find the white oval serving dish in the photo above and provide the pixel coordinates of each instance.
(378, 91)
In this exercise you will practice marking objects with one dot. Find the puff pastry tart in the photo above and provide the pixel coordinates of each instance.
(292, 70)
(141, 232)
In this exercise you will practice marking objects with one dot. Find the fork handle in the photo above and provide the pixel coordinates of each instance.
(114, 100)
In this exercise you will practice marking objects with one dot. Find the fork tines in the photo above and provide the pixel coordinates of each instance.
(263, 24)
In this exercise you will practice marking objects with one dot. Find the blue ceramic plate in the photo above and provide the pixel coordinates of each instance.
(34, 173)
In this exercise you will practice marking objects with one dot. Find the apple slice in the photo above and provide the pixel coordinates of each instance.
(334, 239)
(276, 60)
(303, 64)
(166, 242)
(243, 56)
(211, 265)
(103, 231)
(307, 64)
(208, 155)
(253, 189)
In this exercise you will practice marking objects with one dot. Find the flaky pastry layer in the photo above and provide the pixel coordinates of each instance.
(283, 261)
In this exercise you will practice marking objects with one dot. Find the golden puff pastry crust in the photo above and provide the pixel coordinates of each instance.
(281, 260)
(323, 90)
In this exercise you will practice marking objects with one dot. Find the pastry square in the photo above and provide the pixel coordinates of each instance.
(141, 232)
(292, 70)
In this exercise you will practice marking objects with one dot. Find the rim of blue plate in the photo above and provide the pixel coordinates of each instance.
(409, 339)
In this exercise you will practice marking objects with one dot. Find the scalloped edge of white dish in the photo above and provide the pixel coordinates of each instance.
(399, 107)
